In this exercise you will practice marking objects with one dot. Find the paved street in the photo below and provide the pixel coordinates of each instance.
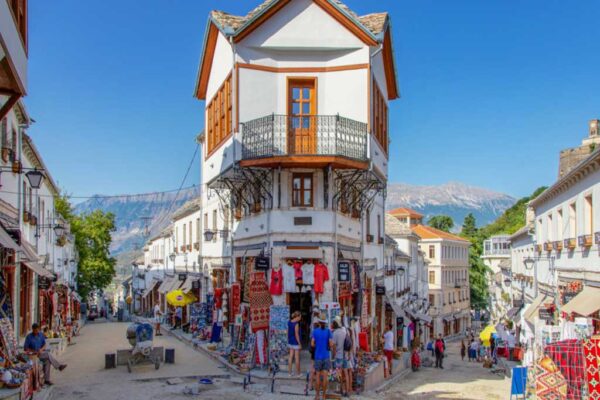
(86, 378)
(458, 380)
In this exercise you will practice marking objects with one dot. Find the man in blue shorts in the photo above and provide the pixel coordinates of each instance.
(322, 341)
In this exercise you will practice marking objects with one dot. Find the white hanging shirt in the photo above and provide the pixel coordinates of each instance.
(308, 274)
(289, 279)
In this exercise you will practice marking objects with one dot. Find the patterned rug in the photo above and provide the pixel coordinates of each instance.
(260, 301)
(6, 310)
(549, 382)
(568, 357)
(591, 351)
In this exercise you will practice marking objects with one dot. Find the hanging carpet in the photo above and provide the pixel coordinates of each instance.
(591, 352)
(260, 301)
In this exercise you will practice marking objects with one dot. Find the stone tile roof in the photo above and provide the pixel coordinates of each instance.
(403, 211)
(374, 23)
(427, 232)
(393, 227)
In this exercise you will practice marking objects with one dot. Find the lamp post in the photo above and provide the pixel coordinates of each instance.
(529, 263)
(172, 258)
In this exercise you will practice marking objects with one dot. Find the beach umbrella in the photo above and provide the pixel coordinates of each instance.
(486, 334)
(178, 298)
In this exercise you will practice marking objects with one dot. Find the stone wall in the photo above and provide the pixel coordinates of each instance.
(569, 158)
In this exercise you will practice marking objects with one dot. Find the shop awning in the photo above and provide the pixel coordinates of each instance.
(423, 317)
(187, 284)
(150, 288)
(247, 252)
(166, 284)
(585, 303)
(29, 252)
(533, 308)
(38, 269)
(395, 306)
(512, 312)
(7, 241)
(448, 319)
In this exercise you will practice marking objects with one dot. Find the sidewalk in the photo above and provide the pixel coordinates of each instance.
(400, 368)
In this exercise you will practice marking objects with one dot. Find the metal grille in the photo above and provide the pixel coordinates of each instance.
(280, 135)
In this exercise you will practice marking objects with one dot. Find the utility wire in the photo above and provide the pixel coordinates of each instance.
(116, 196)
(187, 172)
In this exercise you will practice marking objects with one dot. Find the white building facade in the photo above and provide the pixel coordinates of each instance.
(295, 144)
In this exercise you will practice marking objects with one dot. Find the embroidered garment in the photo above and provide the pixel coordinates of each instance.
(591, 352)
(289, 279)
(308, 273)
(260, 301)
(321, 274)
(276, 287)
(568, 357)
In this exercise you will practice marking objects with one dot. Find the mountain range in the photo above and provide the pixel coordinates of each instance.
(139, 217)
(454, 199)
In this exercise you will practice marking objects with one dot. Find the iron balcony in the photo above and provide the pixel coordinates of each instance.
(313, 135)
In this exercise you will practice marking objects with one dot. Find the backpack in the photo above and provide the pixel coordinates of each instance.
(439, 346)
(347, 341)
(430, 346)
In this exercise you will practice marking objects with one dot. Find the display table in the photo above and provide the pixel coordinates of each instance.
(374, 376)
(10, 394)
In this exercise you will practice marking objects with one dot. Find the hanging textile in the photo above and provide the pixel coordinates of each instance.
(591, 351)
(261, 347)
(568, 357)
(354, 274)
(235, 300)
(549, 382)
(6, 310)
(260, 301)
(278, 333)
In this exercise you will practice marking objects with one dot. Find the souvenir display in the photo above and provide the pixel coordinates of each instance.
(278, 326)
(260, 302)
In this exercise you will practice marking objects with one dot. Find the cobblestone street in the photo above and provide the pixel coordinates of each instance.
(458, 380)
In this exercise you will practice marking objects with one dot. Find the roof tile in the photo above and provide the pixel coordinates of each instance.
(427, 232)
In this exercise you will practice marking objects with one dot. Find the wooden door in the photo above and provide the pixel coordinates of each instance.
(302, 111)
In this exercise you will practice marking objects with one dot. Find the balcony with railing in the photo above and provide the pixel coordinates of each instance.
(496, 246)
(318, 140)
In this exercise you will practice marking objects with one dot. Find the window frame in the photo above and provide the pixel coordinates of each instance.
(219, 117)
(302, 176)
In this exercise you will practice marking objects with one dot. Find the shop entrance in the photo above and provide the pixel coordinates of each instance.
(302, 302)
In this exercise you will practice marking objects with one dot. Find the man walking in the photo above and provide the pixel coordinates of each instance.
(343, 344)
(322, 341)
(178, 316)
(440, 348)
(35, 345)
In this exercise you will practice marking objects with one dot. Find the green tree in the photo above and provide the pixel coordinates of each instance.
(441, 222)
(469, 226)
(92, 234)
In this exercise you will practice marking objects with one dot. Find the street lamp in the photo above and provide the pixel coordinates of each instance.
(59, 230)
(507, 282)
(35, 178)
(172, 257)
(209, 235)
(529, 262)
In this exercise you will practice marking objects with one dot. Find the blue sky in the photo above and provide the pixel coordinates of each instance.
(491, 90)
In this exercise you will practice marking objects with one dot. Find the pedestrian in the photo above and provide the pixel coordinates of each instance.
(511, 341)
(178, 316)
(294, 342)
(440, 347)
(343, 345)
(430, 346)
(157, 317)
(473, 350)
(322, 341)
(463, 349)
(35, 345)
(388, 348)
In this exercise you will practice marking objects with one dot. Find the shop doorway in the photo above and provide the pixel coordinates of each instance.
(302, 302)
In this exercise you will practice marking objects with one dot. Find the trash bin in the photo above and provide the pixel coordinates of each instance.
(169, 356)
(110, 361)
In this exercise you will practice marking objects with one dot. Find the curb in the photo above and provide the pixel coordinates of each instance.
(390, 382)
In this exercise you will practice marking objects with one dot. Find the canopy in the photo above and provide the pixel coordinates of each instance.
(533, 308)
(395, 306)
(585, 303)
(38, 269)
(7, 241)
(150, 288)
(167, 284)
(178, 298)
